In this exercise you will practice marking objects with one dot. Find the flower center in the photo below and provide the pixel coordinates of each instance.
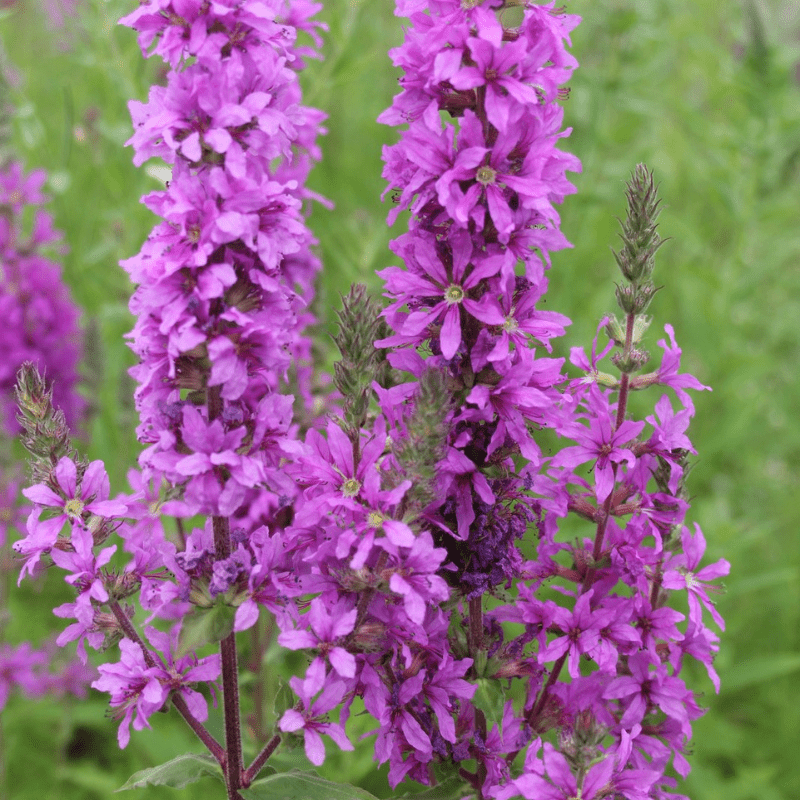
(351, 487)
(453, 294)
(510, 325)
(193, 233)
(485, 175)
(375, 519)
(468, 5)
(74, 508)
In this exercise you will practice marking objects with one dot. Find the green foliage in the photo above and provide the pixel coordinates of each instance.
(703, 92)
(177, 773)
(206, 625)
(297, 785)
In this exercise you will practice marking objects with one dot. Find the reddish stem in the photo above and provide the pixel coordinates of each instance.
(622, 408)
(230, 669)
(252, 771)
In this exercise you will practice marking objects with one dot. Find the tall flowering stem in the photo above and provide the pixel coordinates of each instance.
(225, 280)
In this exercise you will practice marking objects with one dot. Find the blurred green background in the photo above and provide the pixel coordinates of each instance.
(704, 92)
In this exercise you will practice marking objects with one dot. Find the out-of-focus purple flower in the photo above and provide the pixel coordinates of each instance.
(40, 320)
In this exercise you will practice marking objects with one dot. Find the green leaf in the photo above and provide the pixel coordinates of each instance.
(205, 625)
(451, 789)
(489, 698)
(179, 772)
(296, 785)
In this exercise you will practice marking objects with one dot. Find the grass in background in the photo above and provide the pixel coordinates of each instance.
(706, 94)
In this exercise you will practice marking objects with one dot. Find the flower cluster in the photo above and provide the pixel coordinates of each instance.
(224, 280)
(224, 283)
(69, 526)
(464, 322)
(422, 545)
(399, 513)
(483, 224)
(40, 320)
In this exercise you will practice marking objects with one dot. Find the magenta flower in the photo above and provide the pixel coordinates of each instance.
(600, 443)
(73, 502)
(442, 282)
(581, 632)
(138, 691)
(312, 719)
(74, 499)
(681, 572)
(668, 374)
(84, 565)
(644, 690)
(561, 782)
(326, 626)
(133, 690)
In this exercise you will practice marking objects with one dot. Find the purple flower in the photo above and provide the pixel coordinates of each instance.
(133, 690)
(312, 719)
(73, 500)
(644, 690)
(600, 442)
(327, 625)
(668, 371)
(681, 572)
(40, 320)
(581, 632)
(84, 565)
(140, 690)
(561, 782)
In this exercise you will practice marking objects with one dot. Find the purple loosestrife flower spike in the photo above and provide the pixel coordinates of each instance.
(40, 320)
(482, 188)
(224, 280)
(393, 517)
(223, 286)
(637, 502)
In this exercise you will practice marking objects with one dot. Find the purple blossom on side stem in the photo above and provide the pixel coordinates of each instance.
(138, 690)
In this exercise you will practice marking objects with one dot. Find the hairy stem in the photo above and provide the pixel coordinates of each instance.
(230, 667)
(252, 771)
